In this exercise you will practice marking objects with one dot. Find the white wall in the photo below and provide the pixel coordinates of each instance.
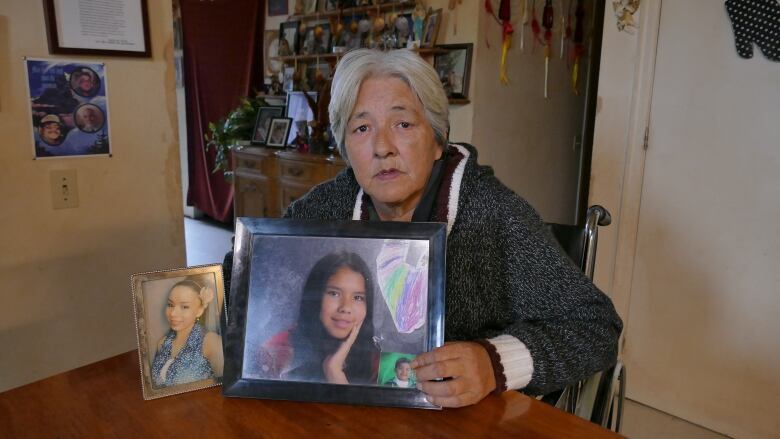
(64, 274)
(694, 260)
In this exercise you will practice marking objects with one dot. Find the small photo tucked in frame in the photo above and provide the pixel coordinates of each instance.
(395, 370)
(263, 123)
(178, 317)
(453, 68)
(278, 132)
(333, 311)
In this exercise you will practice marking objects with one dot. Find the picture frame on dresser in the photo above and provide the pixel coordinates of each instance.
(278, 132)
(263, 123)
(287, 276)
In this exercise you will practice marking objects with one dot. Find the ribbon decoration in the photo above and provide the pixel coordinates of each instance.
(547, 21)
(506, 30)
(579, 45)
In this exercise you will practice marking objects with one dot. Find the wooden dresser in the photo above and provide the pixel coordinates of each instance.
(267, 180)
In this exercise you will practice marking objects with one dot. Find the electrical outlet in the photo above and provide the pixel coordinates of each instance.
(64, 189)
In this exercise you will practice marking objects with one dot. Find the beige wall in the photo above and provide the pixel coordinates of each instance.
(64, 274)
(529, 140)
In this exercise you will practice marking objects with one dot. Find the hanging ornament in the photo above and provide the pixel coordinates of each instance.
(505, 16)
(579, 44)
(563, 26)
(624, 12)
(535, 27)
(523, 23)
(548, 20)
(568, 25)
(491, 13)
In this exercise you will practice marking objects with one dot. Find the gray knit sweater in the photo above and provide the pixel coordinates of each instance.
(505, 275)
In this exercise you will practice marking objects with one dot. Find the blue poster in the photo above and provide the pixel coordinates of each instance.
(69, 108)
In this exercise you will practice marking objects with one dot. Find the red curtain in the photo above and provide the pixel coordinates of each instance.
(223, 60)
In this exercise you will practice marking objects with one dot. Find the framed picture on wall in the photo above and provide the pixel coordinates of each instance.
(170, 306)
(263, 123)
(453, 68)
(302, 290)
(277, 7)
(94, 29)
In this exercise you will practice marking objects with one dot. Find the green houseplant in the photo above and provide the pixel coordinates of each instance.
(231, 132)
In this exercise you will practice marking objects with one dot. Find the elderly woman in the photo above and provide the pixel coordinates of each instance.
(519, 315)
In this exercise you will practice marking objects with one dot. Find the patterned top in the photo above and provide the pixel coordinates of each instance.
(190, 365)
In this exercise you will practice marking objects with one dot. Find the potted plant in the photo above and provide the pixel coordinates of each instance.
(232, 132)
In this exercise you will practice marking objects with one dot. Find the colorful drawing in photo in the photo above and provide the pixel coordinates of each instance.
(404, 285)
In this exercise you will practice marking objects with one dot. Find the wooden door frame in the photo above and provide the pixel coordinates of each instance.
(615, 265)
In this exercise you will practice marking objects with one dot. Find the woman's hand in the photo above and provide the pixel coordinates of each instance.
(333, 365)
(468, 366)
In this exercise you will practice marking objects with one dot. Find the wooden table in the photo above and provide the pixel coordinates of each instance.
(104, 400)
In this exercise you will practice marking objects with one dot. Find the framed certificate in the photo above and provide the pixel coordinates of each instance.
(109, 27)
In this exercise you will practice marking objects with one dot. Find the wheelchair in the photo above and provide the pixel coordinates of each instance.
(600, 397)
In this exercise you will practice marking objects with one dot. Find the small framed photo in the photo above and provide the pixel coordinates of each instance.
(279, 131)
(316, 41)
(308, 6)
(277, 7)
(333, 311)
(288, 33)
(179, 324)
(454, 68)
(83, 30)
(432, 24)
(263, 123)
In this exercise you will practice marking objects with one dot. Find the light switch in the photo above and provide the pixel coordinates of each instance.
(64, 189)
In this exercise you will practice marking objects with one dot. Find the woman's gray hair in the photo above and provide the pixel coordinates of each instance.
(358, 65)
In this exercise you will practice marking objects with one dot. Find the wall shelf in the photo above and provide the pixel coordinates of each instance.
(354, 11)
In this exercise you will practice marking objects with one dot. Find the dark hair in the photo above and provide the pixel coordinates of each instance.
(401, 361)
(310, 340)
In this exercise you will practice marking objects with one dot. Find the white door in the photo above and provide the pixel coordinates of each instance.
(703, 332)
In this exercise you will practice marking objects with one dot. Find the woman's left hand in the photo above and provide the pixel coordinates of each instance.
(468, 366)
(333, 365)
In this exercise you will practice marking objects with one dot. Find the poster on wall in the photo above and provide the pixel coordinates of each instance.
(69, 108)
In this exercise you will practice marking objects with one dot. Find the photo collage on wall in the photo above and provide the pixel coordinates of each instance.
(69, 108)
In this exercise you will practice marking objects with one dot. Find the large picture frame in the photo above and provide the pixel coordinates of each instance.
(169, 304)
(263, 123)
(89, 29)
(328, 310)
(454, 69)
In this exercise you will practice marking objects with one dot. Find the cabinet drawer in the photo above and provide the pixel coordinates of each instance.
(301, 171)
(250, 163)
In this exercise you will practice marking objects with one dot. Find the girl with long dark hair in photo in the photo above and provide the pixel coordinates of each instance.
(332, 341)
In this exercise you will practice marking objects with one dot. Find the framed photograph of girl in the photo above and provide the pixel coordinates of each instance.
(330, 311)
(178, 318)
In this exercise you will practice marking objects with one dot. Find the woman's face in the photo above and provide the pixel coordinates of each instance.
(343, 302)
(184, 306)
(390, 144)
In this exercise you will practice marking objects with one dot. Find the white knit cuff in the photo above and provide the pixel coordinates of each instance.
(515, 359)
